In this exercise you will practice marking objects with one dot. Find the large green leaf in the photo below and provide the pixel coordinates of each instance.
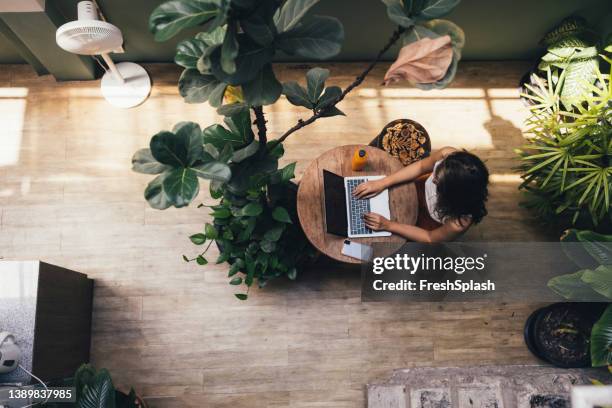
(181, 148)
(316, 37)
(245, 152)
(195, 87)
(572, 287)
(251, 58)
(173, 16)
(601, 340)
(397, 13)
(233, 109)
(282, 215)
(579, 77)
(215, 170)
(240, 124)
(430, 9)
(84, 375)
(290, 14)
(436, 29)
(155, 195)
(568, 49)
(329, 97)
(144, 162)
(600, 280)
(188, 53)
(219, 136)
(585, 248)
(100, 394)
(264, 89)
(297, 95)
(229, 49)
(571, 26)
(181, 186)
(315, 82)
(212, 37)
(259, 25)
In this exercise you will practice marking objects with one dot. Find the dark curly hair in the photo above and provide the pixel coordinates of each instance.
(461, 180)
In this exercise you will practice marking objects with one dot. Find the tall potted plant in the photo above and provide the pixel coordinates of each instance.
(229, 65)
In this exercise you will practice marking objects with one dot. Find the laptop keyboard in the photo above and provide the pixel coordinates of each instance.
(357, 208)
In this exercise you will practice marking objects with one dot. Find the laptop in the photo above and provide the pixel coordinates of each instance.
(344, 213)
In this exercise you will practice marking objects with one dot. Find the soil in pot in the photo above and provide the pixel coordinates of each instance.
(562, 333)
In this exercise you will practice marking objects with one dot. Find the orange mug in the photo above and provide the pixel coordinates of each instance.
(360, 158)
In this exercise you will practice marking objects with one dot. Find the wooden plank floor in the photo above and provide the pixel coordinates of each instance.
(174, 331)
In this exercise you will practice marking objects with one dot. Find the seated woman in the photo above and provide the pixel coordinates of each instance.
(452, 198)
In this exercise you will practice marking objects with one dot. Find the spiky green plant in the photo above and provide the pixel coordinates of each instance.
(566, 166)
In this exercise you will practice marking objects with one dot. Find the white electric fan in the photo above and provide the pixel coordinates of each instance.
(127, 84)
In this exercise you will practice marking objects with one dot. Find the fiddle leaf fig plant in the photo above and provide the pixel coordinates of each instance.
(228, 64)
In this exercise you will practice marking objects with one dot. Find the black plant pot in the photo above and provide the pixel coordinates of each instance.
(560, 333)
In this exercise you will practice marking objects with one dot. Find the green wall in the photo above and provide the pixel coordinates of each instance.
(495, 29)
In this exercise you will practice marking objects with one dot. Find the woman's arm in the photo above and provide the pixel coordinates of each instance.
(417, 168)
(449, 231)
(372, 188)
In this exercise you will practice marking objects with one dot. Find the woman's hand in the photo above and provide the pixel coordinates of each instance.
(368, 189)
(376, 222)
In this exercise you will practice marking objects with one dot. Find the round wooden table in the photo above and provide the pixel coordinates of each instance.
(403, 200)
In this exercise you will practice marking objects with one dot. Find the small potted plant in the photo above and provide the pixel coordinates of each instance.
(577, 334)
(95, 389)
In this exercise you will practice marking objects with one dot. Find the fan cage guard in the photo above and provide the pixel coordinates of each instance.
(89, 38)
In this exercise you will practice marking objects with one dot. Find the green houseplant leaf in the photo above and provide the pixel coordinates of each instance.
(144, 162)
(251, 58)
(259, 24)
(290, 14)
(181, 185)
(195, 87)
(430, 9)
(316, 37)
(569, 27)
(600, 280)
(297, 95)
(181, 148)
(229, 49)
(329, 97)
(315, 82)
(84, 375)
(212, 171)
(100, 393)
(264, 89)
(398, 14)
(572, 287)
(601, 340)
(154, 193)
(280, 214)
(169, 18)
(188, 52)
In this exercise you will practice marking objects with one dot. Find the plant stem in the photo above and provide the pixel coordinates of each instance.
(260, 121)
(358, 80)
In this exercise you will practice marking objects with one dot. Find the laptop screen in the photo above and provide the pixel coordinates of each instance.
(335, 204)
